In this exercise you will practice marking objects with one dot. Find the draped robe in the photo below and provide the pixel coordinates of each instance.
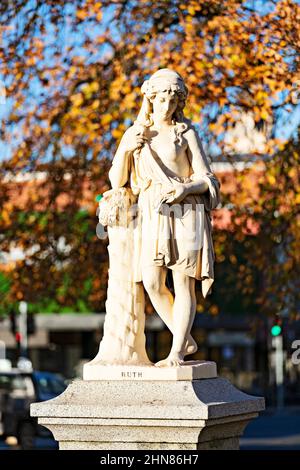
(177, 236)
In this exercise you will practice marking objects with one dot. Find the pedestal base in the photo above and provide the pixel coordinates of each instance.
(186, 415)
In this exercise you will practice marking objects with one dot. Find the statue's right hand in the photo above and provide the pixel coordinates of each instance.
(135, 140)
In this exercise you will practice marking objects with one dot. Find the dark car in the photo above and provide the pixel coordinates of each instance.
(18, 390)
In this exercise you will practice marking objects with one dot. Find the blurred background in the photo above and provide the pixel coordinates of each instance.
(70, 77)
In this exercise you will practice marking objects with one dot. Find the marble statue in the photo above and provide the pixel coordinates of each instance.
(158, 218)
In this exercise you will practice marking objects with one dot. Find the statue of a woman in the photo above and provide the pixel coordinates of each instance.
(160, 163)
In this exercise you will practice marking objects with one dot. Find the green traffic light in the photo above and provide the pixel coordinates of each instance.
(276, 330)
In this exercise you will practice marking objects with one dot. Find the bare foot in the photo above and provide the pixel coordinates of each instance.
(173, 360)
(190, 346)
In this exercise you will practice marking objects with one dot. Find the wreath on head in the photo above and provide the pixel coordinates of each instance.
(150, 87)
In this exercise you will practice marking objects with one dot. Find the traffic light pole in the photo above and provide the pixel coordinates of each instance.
(277, 344)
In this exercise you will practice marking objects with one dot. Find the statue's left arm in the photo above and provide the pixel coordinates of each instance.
(203, 180)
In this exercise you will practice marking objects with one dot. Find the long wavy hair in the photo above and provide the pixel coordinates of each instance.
(163, 80)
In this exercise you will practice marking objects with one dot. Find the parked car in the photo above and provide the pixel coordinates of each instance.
(18, 389)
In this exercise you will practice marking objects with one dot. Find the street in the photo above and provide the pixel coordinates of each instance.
(273, 430)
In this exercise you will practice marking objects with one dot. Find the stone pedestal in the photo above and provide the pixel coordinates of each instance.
(133, 414)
